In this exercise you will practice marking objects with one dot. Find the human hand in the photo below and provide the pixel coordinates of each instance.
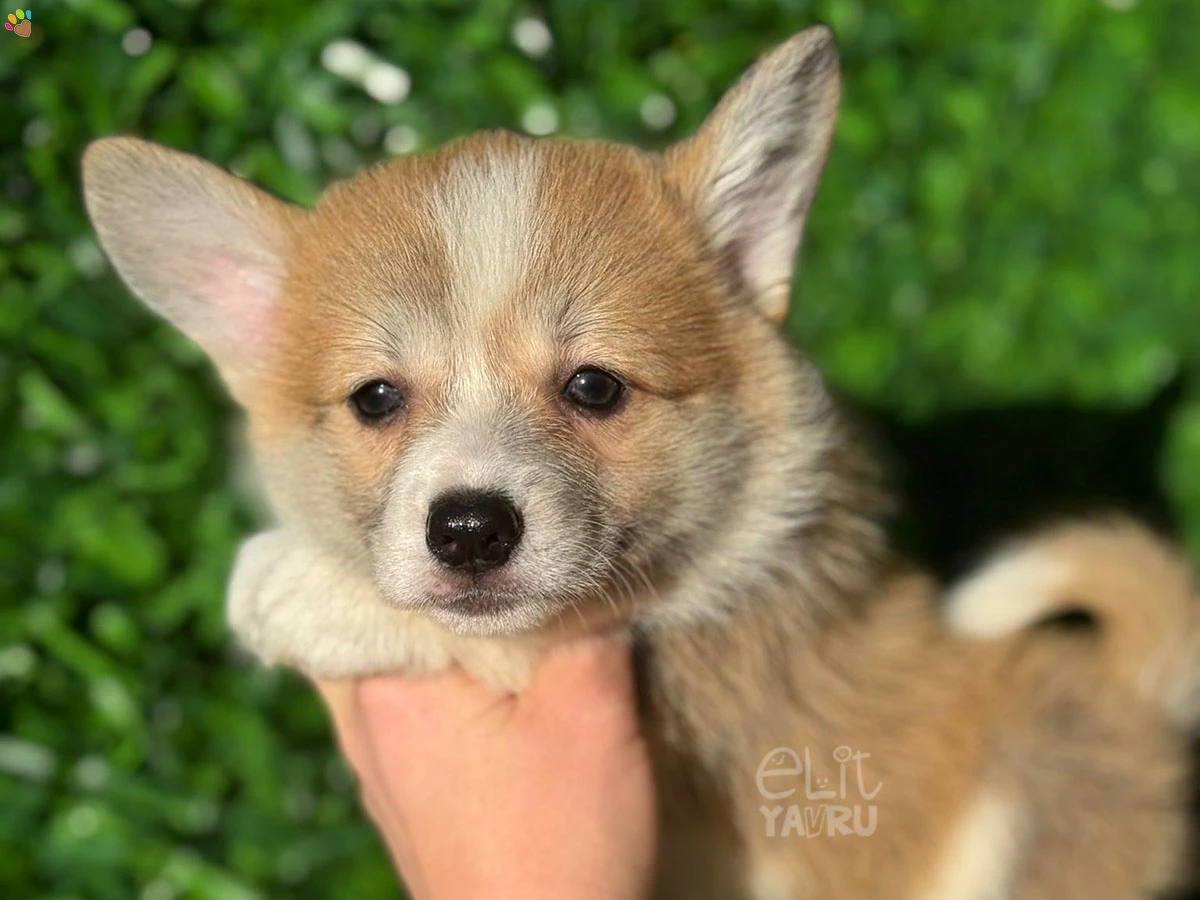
(547, 793)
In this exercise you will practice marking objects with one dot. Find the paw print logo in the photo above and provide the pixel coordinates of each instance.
(19, 22)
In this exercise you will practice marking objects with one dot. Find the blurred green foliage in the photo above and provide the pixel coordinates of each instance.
(1009, 213)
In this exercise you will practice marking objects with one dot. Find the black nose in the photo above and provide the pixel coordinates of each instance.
(472, 532)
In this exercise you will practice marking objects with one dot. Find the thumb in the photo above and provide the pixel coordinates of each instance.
(341, 700)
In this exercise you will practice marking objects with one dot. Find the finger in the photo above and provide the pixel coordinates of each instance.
(583, 679)
(338, 695)
(446, 703)
(385, 816)
(341, 699)
(598, 662)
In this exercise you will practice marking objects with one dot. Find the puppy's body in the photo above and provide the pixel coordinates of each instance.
(1030, 766)
(577, 341)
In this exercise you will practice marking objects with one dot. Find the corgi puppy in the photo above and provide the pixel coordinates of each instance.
(514, 391)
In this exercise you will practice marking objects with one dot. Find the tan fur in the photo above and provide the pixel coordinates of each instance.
(725, 515)
(1150, 639)
(1040, 720)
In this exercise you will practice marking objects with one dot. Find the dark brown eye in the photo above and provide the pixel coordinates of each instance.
(376, 400)
(593, 389)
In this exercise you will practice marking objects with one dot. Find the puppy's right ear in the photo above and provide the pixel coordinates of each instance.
(751, 171)
(199, 246)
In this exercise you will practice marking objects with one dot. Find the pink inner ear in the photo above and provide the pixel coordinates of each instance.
(240, 299)
(259, 288)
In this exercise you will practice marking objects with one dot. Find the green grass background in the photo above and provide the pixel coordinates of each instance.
(1010, 213)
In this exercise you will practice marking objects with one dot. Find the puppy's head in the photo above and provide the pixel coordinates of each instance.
(510, 375)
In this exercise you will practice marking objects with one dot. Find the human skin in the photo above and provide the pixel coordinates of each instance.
(544, 793)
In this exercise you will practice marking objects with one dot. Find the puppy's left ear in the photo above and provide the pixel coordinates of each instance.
(753, 167)
(199, 246)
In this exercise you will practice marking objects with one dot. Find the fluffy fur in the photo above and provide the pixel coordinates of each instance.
(724, 514)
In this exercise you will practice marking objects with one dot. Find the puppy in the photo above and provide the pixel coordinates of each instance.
(513, 391)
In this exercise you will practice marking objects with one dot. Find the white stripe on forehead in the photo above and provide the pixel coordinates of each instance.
(484, 207)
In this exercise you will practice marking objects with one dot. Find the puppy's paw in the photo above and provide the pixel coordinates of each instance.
(292, 603)
(260, 558)
(295, 604)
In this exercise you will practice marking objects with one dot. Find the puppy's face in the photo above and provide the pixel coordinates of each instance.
(499, 363)
(511, 376)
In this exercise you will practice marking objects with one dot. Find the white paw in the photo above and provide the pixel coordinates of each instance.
(292, 603)
(295, 604)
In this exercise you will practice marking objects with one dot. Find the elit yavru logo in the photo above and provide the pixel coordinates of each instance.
(18, 22)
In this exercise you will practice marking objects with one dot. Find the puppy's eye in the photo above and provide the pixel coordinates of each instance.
(376, 400)
(593, 389)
